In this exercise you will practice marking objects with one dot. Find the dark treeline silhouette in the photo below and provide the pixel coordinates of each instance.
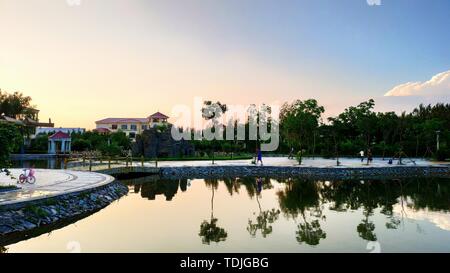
(387, 134)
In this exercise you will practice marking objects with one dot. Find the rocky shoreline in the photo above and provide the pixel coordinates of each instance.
(21, 217)
(331, 173)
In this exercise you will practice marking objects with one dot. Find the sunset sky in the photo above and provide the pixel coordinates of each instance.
(131, 58)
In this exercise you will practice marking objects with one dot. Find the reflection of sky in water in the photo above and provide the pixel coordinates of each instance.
(440, 219)
(309, 219)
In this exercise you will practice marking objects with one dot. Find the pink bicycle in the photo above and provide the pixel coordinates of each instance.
(28, 178)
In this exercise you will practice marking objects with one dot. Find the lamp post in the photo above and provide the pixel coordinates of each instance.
(438, 132)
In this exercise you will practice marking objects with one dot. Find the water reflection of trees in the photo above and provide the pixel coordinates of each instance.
(209, 230)
(265, 218)
(300, 198)
(168, 188)
(306, 199)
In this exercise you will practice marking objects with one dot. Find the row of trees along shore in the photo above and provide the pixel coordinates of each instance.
(303, 128)
(361, 128)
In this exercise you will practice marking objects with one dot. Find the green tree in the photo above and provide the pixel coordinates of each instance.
(110, 149)
(121, 139)
(386, 125)
(213, 111)
(299, 122)
(39, 143)
(81, 145)
(359, 122)
(15, 104)
(10, 141)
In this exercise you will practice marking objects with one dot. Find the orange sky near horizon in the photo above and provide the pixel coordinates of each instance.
(77, 73)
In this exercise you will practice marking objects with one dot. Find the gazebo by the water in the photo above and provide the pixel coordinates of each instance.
(59, 143)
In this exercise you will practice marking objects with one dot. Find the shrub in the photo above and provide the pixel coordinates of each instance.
(110, 150)
(80, 145)
(39, 144)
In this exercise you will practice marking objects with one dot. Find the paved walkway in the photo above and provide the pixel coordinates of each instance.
(274, 161)
(307, 162)
(50, 183)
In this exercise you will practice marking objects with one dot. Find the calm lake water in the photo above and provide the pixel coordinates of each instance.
(262, 215)
(49, 163)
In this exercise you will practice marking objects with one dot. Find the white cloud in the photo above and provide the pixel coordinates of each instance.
(437, 85)
(374, 2)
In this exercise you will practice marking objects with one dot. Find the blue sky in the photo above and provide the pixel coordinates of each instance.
(398, 41)
(147, 55)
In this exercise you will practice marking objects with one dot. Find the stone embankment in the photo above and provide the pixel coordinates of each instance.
(331, 173)
(24, 216)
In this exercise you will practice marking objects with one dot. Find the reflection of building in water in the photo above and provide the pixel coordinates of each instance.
(168, 188)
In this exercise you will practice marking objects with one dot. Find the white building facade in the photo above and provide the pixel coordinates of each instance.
(130, 126)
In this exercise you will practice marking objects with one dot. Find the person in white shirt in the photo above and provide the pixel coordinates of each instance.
(361, 155)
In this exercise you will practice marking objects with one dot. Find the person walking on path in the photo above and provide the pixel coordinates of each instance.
(369, 157)
(259, 156)
(361, 155)
(291, 153)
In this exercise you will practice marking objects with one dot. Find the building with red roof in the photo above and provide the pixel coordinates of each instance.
(59, 143)
(156, 117)
(103, 131)
(130, 126)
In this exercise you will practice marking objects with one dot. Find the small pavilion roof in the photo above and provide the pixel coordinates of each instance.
(59, 135)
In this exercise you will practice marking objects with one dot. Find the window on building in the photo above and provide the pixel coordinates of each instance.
(124, 127)
(132, 135)
(133, 127)
(114, 127)
(144, 127)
